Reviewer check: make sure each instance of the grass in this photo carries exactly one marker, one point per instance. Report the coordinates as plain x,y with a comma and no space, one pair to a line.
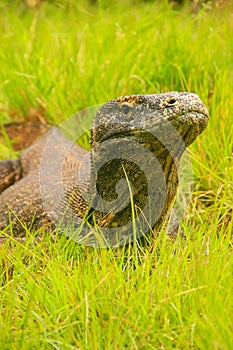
61,57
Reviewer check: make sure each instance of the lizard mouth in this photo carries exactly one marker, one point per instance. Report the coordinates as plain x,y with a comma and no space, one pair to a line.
191,117
191,122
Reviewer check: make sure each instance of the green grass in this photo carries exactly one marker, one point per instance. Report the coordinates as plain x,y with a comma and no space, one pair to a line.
64,56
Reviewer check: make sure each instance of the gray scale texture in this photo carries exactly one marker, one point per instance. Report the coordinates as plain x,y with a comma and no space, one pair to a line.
136,143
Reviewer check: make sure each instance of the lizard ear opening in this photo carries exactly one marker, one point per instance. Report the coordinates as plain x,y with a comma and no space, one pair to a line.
126,108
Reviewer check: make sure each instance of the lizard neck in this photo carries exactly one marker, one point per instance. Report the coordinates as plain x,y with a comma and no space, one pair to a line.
128,174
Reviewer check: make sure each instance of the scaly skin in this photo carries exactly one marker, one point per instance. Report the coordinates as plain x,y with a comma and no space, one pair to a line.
139,139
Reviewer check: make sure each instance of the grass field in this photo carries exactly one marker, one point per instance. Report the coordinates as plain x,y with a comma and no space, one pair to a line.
61,57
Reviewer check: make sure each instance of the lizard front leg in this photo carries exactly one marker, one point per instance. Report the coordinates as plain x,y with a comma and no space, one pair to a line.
10,172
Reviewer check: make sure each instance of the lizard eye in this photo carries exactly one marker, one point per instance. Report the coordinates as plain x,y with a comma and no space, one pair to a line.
171,101
126,108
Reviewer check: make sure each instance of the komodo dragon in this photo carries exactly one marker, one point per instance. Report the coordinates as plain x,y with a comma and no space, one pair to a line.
125,184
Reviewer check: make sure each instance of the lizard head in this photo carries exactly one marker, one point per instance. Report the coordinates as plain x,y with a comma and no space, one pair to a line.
135,115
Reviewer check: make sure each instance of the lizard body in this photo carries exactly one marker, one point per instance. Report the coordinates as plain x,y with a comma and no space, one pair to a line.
136,146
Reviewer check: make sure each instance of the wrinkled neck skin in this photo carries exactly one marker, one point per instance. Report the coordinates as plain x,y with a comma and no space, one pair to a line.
139,171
